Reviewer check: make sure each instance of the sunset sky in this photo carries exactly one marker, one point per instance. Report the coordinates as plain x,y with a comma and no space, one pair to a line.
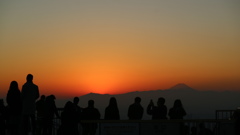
105,46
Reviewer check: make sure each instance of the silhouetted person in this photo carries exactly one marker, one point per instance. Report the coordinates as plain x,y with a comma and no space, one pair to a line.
69,120
30,94
40,107
236,117
2,118
49,110
111,111
90,113
77,108
135,110
159,111
14,108
177,111
78,111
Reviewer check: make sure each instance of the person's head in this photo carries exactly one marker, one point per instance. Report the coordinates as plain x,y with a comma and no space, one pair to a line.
161,101
75,100
91,103
177,103
113,101
68,106
13,85
43,97
53,97
50,99
137,100
29,78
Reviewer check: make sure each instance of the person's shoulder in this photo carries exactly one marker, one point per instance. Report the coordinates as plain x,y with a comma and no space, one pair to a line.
95,109
132,105
34,85
24,84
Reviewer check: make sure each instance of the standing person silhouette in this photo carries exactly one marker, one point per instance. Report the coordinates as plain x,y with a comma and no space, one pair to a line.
177,111
77,108
78,111
14,108
49,110
159,111
40,107
2,118
69,122
90,113
135,110
30,94
111,111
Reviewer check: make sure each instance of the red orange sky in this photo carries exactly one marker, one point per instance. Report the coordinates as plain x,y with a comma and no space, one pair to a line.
73,48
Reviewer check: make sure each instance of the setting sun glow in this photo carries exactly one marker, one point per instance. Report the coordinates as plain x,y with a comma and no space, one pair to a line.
113,47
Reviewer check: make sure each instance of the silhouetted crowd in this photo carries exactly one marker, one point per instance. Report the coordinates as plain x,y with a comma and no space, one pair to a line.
24,113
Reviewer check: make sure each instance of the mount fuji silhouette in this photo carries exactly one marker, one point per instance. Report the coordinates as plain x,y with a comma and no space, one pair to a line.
198,104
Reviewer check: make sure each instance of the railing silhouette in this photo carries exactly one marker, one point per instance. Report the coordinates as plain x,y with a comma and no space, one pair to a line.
217,126
224,114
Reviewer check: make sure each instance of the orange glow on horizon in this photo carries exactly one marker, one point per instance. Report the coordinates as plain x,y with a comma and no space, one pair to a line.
80,47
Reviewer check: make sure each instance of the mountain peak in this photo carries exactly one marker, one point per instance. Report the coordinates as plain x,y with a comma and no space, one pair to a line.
181,86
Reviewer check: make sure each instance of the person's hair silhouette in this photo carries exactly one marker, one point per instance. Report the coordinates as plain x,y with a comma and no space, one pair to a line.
177,111
111,111
14,107
69,122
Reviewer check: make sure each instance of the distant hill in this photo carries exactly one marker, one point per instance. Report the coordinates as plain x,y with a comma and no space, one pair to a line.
198,104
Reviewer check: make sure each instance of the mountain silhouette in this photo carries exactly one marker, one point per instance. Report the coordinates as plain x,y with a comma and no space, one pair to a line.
198,104
181,86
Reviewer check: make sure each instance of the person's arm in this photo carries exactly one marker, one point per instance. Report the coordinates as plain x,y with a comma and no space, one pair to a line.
170,113
183,112
141,115
98,114
129,112
37,95
23,93
105,114
165,111
150,108
118,115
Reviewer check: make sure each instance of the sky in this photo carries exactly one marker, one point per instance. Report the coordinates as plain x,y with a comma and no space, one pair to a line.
111,47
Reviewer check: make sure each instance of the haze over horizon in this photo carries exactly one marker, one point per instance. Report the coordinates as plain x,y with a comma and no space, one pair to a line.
111,47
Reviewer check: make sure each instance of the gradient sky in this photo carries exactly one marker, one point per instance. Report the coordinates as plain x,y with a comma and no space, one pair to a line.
105,46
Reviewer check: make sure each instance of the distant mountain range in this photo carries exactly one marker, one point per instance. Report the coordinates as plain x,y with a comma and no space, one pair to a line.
198,104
